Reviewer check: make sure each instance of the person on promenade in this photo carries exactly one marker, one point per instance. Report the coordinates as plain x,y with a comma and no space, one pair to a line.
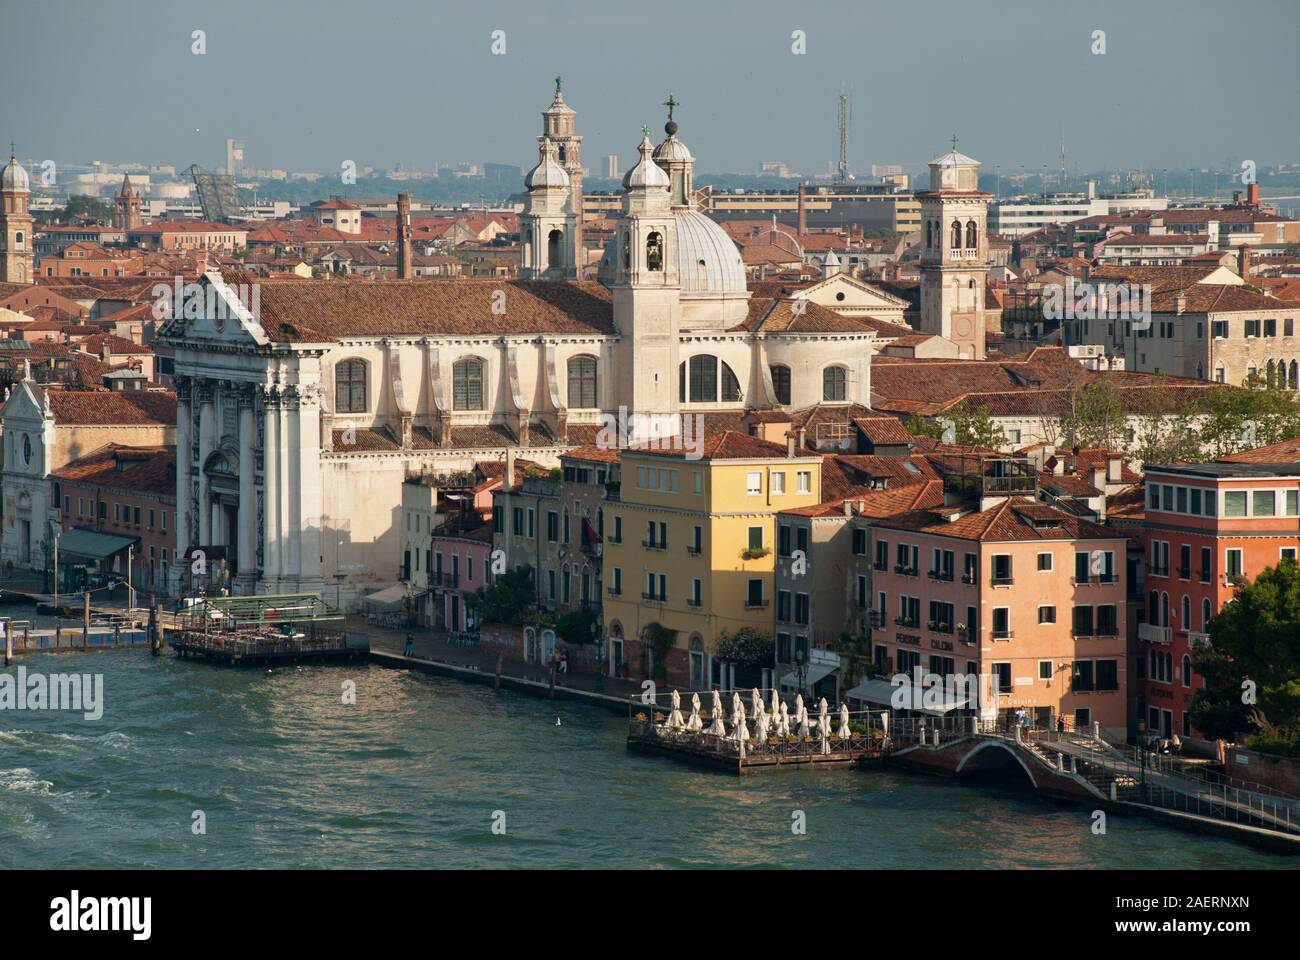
564,662
1176,744
409,649
1060,723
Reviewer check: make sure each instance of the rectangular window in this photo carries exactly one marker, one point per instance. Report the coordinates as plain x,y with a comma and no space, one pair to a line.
1045,562
804,481
1002,568
783,606
801,608
532,522
1107,620
552,526
1002,674
1045,669
696,588
1196,501
1082,625
697,539
1263,503
1234,503
1001,623
1232,562
616,587
1082,678
1080,567
859,542
1292,503
882,555
755,538
778,483
753,483
618,529
754,594
1047,614
1107,674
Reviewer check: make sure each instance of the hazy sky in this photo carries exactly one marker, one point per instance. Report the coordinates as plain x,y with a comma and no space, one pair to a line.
308,84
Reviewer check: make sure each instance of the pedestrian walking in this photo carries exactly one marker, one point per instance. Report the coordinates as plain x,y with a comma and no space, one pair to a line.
409,649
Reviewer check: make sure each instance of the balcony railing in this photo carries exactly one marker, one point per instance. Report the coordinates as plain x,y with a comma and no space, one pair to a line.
1184,573
1152,633
1002,634
1003,581
945,575
653,598
906,571
654,545
969,578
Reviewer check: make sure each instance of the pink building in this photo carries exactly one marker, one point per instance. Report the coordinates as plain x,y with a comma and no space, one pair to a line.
462,563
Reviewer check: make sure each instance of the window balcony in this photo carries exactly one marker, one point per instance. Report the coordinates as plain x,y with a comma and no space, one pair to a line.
653,598
906,571
944,575
1002,634
654,545
1152,633
1003,581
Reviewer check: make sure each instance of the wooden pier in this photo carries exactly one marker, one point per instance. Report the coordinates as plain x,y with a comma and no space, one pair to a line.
262,630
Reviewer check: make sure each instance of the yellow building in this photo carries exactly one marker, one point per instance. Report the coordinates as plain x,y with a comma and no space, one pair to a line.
689,551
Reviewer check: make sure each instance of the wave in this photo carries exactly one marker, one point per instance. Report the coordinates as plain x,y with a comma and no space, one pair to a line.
24,780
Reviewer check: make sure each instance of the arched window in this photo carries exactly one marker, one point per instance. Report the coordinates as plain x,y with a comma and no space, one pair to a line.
781,382
467,384
1186,622
654,251
350,387
627,251
554,248
18,240
972,234
582,382
929,234
956,234
1187,671
730,385
1270,375
834,384
1205,615
1164,609
703,378
1295,375
561,153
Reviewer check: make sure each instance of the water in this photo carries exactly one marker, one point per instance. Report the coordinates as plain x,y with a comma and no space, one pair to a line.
410,776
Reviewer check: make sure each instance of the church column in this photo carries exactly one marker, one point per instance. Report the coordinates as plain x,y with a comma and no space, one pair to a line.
207,441
310,480
184,483
293,481
271,484
247,537
283,490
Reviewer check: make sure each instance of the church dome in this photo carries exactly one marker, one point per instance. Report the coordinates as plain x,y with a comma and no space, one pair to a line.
672,150
646,174
548,173
14,177
708,262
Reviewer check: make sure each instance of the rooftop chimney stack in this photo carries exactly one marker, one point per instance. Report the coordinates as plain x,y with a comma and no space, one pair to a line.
1252,196
1243,261
803,211
404,271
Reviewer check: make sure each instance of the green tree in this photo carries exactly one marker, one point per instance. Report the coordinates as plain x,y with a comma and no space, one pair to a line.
975,428
508,600
1256,636
575,626
1096,417
80,205
919,426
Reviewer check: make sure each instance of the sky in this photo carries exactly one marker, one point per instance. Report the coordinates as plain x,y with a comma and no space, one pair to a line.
309,84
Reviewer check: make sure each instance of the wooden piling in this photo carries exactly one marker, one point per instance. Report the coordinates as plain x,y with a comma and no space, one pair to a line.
155,628
85,618
496,684
9,644
550,694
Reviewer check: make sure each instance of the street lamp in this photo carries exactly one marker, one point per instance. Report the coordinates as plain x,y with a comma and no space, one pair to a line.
801,668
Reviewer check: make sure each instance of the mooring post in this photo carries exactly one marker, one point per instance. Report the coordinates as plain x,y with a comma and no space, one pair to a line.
551,693
85,618
496,683
1112,790
155,627
9,643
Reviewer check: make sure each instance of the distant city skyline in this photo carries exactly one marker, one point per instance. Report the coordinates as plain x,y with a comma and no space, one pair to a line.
1003,78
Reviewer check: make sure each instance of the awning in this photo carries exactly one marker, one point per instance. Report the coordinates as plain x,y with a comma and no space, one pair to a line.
911,698
94,545
816,672
388,598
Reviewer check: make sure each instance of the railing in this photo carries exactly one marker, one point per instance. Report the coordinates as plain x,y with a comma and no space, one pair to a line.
1003,581
943,575
1154,634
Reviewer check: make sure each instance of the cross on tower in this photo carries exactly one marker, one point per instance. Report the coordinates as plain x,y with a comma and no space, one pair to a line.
954,143
557,86
670,103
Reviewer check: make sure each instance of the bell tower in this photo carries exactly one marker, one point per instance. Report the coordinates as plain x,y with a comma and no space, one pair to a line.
558,126
647,290
954,253
17,261
547,225
128,206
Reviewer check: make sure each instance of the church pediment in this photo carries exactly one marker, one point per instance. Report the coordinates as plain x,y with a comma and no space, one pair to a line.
211,309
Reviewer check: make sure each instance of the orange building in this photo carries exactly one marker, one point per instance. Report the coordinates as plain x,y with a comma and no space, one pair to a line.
1208,528
1022,591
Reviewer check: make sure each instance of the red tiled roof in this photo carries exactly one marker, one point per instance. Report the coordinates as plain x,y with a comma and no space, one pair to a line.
1013,519
138,469
105,407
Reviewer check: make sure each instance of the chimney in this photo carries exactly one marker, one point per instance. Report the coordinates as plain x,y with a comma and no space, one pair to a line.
789,445
802,434
1243,260
1252,196
1115,470
848,508
1180,302
1236,198
404,271
803,211
1099,478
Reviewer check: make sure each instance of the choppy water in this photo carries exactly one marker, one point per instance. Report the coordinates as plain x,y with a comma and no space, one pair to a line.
289,776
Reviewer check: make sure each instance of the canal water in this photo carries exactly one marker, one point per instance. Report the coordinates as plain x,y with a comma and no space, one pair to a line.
416,772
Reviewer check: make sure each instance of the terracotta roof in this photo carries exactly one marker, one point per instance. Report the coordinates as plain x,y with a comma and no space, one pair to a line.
138,469
314,311
729,445
883,430
105,408
1284,452
879,503
591,452
1014,518
782,316
95,343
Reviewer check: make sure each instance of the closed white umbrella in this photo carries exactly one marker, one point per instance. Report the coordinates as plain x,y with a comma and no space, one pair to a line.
693,722
675,721
800,716
717,727
783,724
739,729
845,732
756,703
776,704
761,725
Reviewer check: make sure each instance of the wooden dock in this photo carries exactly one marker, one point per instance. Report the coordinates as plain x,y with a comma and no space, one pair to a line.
725,753
264,629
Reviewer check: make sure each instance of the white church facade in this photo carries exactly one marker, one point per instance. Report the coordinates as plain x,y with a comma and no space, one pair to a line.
299,419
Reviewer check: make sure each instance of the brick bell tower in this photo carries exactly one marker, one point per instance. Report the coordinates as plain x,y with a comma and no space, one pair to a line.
558,127
954,253
127,202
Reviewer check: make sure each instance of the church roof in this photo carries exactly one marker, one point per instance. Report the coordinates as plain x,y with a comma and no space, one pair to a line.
645,173
14,177
311,311
954,159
